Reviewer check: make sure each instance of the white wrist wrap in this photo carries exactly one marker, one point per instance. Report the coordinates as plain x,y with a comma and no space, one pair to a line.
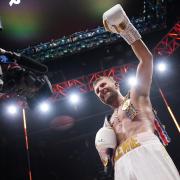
131,34
116,16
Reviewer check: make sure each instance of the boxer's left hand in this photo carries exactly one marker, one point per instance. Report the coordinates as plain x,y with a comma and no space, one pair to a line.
119,29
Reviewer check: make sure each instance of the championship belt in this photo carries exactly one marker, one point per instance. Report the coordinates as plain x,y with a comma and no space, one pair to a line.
128,107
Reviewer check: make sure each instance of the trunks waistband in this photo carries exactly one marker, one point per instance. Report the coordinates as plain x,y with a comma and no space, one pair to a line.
134,142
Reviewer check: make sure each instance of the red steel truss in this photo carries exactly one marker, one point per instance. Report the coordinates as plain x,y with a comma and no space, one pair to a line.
170,42
85,83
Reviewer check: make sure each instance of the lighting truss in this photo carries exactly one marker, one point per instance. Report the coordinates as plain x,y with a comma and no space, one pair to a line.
152,17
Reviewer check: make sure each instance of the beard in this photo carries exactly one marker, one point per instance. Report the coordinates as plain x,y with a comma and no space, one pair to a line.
110,98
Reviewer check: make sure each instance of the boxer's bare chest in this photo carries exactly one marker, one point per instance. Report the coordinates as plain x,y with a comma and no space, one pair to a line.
129,122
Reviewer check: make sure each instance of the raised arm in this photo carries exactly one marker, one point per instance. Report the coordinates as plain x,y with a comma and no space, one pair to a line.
115,20
144,69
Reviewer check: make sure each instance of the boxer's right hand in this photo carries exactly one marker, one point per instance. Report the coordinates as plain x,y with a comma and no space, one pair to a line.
105,138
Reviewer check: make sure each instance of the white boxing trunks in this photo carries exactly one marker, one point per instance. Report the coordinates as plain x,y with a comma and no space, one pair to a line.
143,157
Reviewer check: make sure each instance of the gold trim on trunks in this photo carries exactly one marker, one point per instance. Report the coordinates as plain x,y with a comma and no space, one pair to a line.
125,147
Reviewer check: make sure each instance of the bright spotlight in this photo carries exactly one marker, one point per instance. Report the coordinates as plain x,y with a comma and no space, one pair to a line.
132,81
74,98
12,109
161,67
44,107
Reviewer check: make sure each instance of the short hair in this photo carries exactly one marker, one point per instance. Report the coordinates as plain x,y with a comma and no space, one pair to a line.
103,77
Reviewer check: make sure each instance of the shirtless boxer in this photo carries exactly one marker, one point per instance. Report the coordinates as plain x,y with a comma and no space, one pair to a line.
138,153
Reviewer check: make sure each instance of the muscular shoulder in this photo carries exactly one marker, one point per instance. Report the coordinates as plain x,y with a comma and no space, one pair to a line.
138,99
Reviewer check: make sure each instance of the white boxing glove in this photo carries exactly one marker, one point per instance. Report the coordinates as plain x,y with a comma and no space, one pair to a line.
105,139
115,20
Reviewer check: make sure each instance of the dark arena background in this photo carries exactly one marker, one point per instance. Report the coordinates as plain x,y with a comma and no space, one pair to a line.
68,37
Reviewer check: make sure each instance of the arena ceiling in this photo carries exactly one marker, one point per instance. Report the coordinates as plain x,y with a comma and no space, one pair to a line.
32,22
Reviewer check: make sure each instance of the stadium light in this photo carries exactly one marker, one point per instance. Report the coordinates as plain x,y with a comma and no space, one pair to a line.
44,107
161,67
132,81
74,98
12,109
